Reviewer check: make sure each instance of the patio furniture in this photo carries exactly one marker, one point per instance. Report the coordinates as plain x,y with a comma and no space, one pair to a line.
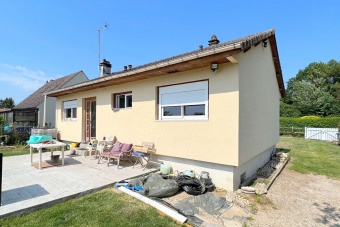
143,152
40,146
120,151
87,148
104,144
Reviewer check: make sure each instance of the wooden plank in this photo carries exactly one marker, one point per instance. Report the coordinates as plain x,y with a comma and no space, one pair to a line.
202,62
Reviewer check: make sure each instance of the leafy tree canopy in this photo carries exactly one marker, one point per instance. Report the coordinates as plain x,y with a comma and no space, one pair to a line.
314,91
7,103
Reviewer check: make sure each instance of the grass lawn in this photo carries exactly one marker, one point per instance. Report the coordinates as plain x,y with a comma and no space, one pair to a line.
104,208
20,150
312,156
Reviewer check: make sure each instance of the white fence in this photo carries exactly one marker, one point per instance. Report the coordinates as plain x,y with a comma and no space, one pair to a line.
327,134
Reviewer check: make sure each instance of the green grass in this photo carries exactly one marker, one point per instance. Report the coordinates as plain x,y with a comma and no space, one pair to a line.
104,208
20,150
312,156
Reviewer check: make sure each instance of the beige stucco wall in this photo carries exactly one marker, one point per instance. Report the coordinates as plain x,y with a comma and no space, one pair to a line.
259,103
214,140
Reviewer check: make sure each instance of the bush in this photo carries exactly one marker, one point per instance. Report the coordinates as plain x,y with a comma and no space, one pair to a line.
287,110
310,121
310,117
17,138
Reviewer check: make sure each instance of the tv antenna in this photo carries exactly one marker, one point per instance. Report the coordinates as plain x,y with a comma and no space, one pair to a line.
98,30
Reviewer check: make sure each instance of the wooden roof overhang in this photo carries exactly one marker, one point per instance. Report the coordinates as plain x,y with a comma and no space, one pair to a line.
131,76
189,61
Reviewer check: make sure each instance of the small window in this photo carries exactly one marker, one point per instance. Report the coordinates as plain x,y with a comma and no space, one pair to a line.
122,100
70,110
187,101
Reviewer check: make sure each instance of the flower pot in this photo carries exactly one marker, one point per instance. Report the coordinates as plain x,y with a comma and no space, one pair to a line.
55,158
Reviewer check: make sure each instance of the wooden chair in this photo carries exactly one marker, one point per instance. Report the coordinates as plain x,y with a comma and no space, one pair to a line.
119,152
143,152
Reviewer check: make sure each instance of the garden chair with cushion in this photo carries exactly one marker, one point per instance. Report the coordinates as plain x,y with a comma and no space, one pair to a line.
143,153
119,152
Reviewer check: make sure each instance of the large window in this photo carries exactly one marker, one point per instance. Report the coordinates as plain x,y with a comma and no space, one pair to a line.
184,101
122,100
70,110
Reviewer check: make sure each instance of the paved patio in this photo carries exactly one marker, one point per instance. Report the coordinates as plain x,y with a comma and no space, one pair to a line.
26,188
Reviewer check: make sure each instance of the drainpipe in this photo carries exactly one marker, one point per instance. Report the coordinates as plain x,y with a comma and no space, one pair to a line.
44,118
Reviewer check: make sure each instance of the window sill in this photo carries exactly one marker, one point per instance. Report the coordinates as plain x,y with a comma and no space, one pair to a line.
181,120
68,120
118,109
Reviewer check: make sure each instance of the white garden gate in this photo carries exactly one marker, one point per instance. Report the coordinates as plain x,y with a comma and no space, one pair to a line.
326,134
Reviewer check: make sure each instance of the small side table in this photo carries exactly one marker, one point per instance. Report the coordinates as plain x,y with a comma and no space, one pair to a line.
140,156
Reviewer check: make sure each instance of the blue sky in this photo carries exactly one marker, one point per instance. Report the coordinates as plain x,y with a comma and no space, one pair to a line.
42,40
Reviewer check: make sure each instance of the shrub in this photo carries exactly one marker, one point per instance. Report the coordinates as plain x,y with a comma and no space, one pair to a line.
309,117
17,138
310,121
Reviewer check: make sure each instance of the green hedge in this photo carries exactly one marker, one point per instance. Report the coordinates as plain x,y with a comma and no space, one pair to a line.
310,121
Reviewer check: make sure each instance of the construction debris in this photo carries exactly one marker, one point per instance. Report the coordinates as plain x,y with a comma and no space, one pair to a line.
248,190
237,199
260,189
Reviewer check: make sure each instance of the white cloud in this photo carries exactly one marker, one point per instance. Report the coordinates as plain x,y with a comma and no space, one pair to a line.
22,77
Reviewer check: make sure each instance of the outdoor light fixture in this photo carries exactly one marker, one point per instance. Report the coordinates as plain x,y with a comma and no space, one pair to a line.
213,66
265,43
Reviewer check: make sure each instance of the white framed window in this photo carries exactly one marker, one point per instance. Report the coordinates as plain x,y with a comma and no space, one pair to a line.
187,101
70,110
122,100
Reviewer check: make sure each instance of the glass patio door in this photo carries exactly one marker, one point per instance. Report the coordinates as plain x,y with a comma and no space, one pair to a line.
90,118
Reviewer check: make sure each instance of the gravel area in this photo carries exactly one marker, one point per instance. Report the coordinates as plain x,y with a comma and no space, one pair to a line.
301,200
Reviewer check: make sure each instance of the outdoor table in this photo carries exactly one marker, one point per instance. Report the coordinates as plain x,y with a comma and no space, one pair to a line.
139,158
40,146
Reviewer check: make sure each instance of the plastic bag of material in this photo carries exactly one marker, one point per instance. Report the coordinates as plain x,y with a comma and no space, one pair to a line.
190,185
205,178
155,186
161,189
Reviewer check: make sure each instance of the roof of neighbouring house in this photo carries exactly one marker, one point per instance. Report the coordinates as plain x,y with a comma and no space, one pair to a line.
191,60
38,96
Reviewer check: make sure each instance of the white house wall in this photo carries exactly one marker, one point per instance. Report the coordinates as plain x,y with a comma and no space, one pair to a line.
259,103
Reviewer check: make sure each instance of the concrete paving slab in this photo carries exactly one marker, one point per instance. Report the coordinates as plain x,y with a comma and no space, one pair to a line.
26,188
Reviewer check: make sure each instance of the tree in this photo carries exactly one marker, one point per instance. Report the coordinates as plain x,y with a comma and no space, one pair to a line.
315,90
7,103
287,110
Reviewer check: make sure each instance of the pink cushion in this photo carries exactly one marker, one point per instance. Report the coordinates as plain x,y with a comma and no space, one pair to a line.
117,147
126,147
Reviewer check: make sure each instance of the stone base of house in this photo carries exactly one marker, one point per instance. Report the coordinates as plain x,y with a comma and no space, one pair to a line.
223,176
247,169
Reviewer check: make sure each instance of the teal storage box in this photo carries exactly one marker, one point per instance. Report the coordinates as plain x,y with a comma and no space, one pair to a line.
38,139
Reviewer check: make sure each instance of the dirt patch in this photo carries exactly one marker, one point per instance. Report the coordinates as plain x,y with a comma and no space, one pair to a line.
283,144
301,200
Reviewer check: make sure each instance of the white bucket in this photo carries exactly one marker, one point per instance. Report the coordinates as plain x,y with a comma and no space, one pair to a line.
165,169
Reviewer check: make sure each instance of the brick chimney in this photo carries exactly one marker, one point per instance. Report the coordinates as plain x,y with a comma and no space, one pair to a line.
213,40
105,67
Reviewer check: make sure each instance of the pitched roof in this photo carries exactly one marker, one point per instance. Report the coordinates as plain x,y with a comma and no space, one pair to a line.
191,60
38,96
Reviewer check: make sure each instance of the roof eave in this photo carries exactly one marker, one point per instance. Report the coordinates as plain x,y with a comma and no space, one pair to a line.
100,82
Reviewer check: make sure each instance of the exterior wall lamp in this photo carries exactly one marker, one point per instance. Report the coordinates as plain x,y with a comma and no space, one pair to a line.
265,43
213,66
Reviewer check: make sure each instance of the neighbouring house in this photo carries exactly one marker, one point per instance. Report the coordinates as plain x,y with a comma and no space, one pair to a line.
31,110
214,109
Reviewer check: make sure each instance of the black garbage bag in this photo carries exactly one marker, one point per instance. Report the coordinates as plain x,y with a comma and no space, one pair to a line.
191,185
